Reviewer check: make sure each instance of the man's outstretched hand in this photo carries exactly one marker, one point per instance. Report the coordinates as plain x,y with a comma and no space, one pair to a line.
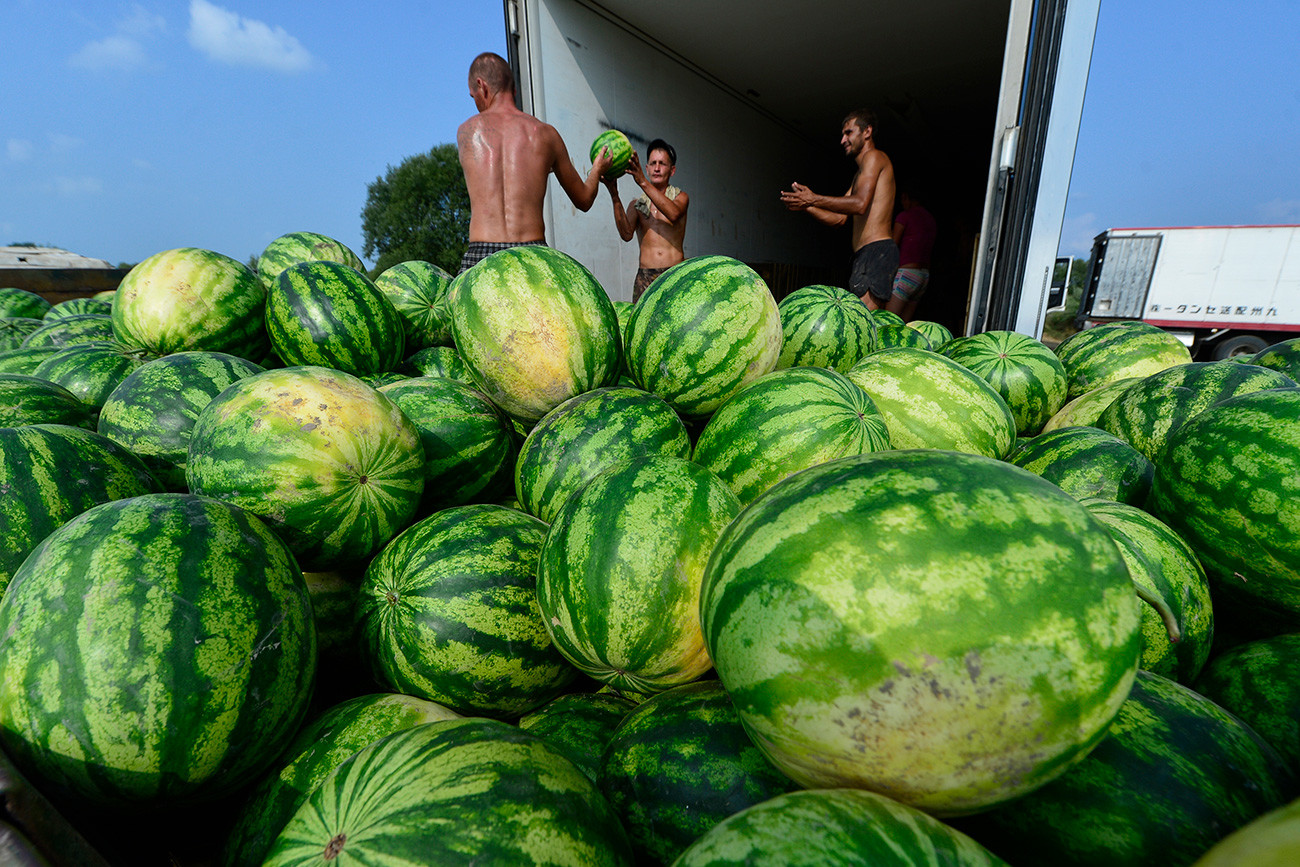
797,198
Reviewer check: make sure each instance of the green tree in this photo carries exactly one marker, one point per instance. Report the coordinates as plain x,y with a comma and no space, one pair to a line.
418,210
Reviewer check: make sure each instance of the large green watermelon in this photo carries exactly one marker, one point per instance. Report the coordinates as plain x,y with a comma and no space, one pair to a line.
619,579
190,299
579,726
1087,462
20,302
418,291
945,629
1024,371
78,307
330,463
824,326
1259,681
91,370
1117,350
294,247
31,400
1283,356
87,328
785,422
154,649
26,359
1088,407
456,792
706,328
534,328
448,612
620,151
14,330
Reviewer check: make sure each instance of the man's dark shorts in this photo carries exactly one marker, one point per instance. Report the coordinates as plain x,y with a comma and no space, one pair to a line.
477,251
644,277
873,269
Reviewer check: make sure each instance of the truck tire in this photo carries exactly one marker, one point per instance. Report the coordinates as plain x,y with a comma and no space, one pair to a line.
1238,344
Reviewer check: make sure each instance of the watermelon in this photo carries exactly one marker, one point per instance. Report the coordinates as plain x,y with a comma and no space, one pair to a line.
190,299
418,291
1229,484
834,828
704,329
318,748
295,247
936,333
1161,563
20,302
1272,840
70,330
1088,462
786,422
152,411
587,434
1174,774
1283,356
889,335
442,361
1258,682
619,579
49,474
327,314
455,792
929,401
26,359
679,764
91,370
837,609
193,660
334,595
1117,350
535,329
1024,371
448,612
1088,407
469,443
78,307
14,330
886,317
620,151
1147,412
330,463
31,400
579,725
824,326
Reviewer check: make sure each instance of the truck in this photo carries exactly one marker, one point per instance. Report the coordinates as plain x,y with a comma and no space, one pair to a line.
1223,290
979,103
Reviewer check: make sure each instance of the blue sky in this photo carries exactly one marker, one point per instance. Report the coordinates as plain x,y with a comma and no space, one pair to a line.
135,127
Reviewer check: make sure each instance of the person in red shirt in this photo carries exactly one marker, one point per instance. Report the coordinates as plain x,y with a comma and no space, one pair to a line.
914,231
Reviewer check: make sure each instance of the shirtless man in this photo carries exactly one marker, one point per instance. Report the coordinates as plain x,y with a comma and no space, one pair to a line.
507,155
870,203
657,218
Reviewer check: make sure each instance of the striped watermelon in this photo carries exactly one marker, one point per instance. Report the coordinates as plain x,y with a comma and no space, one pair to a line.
579,726
705,329
1283,356
31,400
929,401
193,658
620,151
935,332
1161,563
295,247
824,326
50,473
618,583
1174,774
469,443
70,330
1088,407
334,595
890,335
1145,414
14,330
1228,483
91,370
26,359
442,361
319,748
455,792
152,411
590,433
191,299
418,291
1259,682
535,329
20,302
78,307
679,764
1269,841
886,317
834,828
1088,462
838,611
786,422
330,463
448,612
1117,350
327,314
1024,371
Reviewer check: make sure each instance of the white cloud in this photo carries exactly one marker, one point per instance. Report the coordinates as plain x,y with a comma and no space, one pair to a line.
226,37
61,143
75,187
19,149
112,52
1077,233
1280,211
141,22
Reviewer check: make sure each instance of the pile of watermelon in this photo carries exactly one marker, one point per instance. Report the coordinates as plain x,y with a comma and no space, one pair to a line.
301,566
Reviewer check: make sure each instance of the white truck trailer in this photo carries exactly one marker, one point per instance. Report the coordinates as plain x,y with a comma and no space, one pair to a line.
1224,290
979,104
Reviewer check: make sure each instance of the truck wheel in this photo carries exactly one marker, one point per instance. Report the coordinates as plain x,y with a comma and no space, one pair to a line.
1238,344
